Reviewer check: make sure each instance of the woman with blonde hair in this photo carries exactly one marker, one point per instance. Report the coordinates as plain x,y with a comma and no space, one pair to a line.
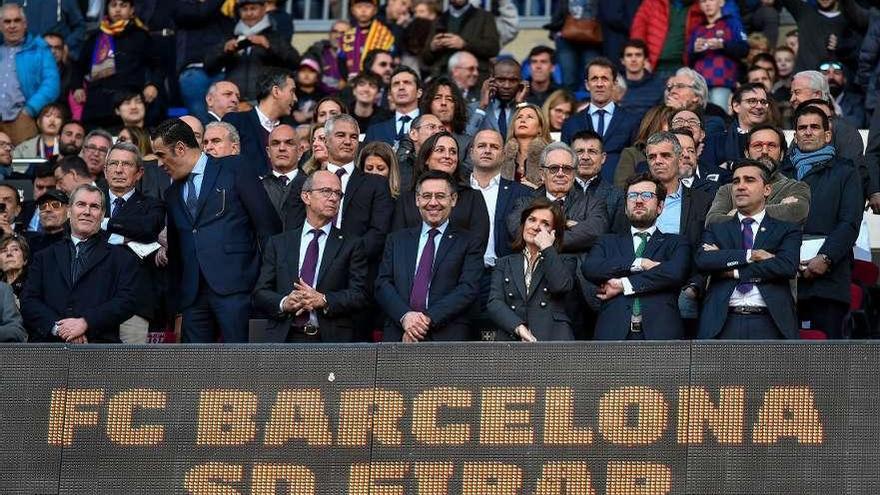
318,139
558,108
655,120
528,136
378,158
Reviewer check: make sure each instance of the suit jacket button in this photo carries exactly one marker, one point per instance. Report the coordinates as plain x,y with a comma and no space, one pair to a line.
512,307
545,289
510,294
543,304
195,230
506,280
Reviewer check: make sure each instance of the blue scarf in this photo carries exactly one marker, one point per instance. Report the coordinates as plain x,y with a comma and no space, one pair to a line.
804,162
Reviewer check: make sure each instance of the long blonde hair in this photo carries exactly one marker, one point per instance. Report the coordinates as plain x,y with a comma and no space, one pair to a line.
544,128
312,164
555,98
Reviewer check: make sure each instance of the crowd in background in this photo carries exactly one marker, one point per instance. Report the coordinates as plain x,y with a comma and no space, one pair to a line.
407,179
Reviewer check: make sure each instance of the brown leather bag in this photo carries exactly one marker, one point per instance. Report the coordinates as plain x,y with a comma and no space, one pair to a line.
582,31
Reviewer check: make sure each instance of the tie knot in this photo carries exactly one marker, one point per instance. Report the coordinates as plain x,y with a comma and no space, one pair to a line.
600,111
748,221
118,202
432,234
283,179
316,233
404,118
643,236
340,172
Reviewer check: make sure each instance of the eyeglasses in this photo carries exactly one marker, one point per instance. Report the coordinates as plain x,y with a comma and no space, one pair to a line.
756,101
328,193
427,197
555,169
430,127
99,149
54,205
670,87
759,145
6,145
120,163
644,196
830,65
686,123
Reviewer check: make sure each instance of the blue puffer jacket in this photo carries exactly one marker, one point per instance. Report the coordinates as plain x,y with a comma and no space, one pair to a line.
37,74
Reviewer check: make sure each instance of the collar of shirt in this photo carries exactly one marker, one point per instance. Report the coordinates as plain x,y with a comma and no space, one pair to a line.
678,191
586,183
493,182
650,230
125,196
554,199
290,175
609,109
441,228
349,168
412,116
308,227
688,181
201,163
219,118
265,121
458,12
758,217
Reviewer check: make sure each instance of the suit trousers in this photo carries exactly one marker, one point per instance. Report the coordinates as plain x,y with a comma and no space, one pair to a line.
823,314
750,327
213,315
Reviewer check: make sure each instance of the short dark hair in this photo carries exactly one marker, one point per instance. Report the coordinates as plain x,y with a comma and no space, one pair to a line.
44,170
173,131
371,57
744,87
366,77
816,102
269,78
635,43
811,110
765,57
73,121
334,99
540,203
768,127
15,192
747,162
436,175
541,49
74,164
508,61
121,97
646,177
588,135
601,62
409,70
695,111
55,34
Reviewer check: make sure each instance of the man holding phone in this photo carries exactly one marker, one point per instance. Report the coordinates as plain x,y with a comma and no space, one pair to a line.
462,27
498,99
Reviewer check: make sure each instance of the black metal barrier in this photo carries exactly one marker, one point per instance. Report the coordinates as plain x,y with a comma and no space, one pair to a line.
472,418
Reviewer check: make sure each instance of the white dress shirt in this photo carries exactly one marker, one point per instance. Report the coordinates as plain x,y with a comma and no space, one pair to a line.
752,297
265,121
349,169
304,241
406,125
593,110
490,195
115,238
290,175
637,263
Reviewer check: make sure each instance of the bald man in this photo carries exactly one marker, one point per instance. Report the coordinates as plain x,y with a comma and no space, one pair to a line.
196,125
284,183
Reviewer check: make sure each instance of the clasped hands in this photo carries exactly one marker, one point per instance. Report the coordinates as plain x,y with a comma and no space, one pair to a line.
415,326
72,330
303,298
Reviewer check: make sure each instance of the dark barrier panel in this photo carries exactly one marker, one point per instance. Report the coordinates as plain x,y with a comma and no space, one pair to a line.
471,419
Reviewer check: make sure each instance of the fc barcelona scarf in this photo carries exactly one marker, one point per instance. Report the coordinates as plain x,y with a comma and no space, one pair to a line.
104,56
358,42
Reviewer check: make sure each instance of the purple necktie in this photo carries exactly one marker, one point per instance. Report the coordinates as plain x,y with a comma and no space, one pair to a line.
339,173
307,271
748,238
418,298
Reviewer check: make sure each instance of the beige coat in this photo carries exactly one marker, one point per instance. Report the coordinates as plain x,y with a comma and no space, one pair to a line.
533,161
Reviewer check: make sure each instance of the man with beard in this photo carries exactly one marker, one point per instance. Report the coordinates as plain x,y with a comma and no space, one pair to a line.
823,289
443,99
640,273
789,199
851,103
751,107
751,259
70,140
687,165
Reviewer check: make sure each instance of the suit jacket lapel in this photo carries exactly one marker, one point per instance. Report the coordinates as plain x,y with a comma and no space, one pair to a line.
212,169
519,275
764,230
450,237
537,276
62,254
354,182
99,251
331,247
504,192
410,252
293,255
686,199
612,124
654,243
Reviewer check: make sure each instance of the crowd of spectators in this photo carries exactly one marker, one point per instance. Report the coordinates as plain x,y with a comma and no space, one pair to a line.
406,179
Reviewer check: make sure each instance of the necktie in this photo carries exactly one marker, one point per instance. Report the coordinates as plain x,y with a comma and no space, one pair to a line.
76,266
640,250
502,121
418,297
600,129
339,173
192,199
284,180
117,204
403,121
561,204
308,269
748,239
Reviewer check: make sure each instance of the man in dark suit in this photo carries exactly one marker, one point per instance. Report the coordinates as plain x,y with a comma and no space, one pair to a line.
276,97
81,290
313,278
751,259
585,217
499,96
221,139
429,279
614,124
52,207
640,273
834,218
285,182
587,145
222,98
405,91
218,212
132,217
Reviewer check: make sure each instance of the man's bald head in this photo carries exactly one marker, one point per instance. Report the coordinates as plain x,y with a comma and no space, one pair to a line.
196,125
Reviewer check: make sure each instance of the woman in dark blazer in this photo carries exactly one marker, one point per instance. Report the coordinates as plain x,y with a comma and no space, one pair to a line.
440,152
529,287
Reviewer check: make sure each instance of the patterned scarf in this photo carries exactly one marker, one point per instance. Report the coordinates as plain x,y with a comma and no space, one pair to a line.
804,162
104,56
358,42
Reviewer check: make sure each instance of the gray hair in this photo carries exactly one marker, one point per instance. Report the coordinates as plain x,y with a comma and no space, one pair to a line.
816,81
664,137
330,125
88,188
7,6
233,132
310,180
456,59
98,132
550,148
131,148
700,87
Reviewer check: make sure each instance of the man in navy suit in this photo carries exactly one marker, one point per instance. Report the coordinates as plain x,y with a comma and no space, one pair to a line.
222,98
81,289
751,259
313,278
218,213
276,97
404,92
640,273
614,124
429,279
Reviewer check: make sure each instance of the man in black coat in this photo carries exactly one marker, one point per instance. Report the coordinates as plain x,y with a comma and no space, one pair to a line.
313,278
285,182
80,291
833,221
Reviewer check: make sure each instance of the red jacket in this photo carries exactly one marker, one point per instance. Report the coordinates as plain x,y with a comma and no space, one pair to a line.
651,24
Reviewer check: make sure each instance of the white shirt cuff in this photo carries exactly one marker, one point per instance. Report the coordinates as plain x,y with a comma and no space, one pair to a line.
627,287
116,239
636,266
736,273
749,256
281,304
104,223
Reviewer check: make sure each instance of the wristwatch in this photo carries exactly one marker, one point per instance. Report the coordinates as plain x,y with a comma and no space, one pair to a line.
826,259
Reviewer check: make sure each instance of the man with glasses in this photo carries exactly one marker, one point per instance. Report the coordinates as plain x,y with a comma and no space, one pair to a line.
313,279
585,217
789,199
751,108
28,75
464,71
851,103
6,147
429,279
52,210
639,272
132,217
96,145
687,89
